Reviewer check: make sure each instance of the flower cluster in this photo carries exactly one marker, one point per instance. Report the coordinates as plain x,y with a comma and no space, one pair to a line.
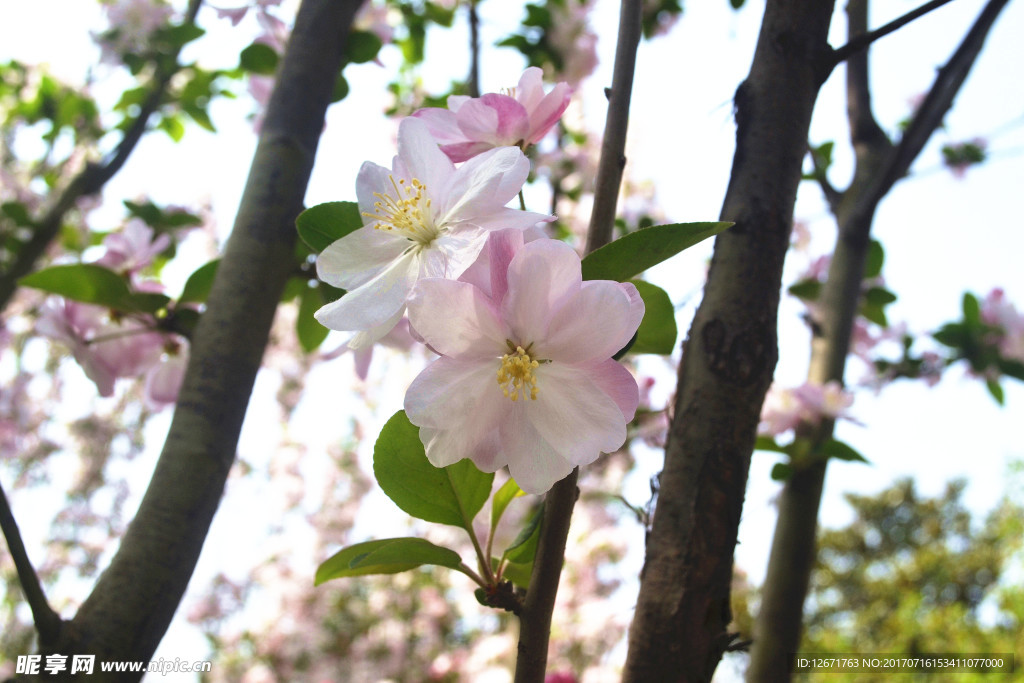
132,22
807,404
1008,322
526,377
111,345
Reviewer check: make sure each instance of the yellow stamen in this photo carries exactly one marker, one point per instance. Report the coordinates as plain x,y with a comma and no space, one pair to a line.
515,376
407,212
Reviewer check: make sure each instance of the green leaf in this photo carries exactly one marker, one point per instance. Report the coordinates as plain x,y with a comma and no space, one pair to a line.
996,389
875,314
879,296
197,287
657,332
782,471
321,225
834,448
385,556
524,548
518,573
173,126
449,495
181,34
808,290
972,310
767,443
875,260
310,332
200,116
340,91
954,335
85,282
506,494
18,213
634,253
259,58
363,47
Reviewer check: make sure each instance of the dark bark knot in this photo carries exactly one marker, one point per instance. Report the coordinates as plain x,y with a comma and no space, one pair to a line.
738,359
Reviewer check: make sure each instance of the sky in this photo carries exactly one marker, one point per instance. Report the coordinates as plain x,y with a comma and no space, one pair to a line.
942,235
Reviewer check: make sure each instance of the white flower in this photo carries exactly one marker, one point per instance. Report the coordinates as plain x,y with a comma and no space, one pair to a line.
424,218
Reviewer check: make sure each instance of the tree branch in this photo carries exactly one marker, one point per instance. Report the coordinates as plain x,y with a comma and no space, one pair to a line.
779,622
535,617
129,609
90,180
48,623
613,160
679,629
862,40
473,85
939,100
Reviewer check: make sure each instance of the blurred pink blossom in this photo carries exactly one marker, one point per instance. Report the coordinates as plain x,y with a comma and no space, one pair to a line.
163,380
570,34
132,22
132,249
809,403
999,312
105,348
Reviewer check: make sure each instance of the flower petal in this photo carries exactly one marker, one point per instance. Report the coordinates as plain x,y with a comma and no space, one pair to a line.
359,256
459,402
498,119
484,184
532,462
546,113
456,319
374,302
615,381
371,178
574,416
365,339
422,157
442,124
540,276
590,324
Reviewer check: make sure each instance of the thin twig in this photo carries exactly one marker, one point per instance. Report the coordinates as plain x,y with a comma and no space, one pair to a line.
473,86
48,623
865,39
535,617
613,160
939,99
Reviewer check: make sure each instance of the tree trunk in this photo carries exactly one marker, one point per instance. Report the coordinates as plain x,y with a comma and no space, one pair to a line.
679,631
131,606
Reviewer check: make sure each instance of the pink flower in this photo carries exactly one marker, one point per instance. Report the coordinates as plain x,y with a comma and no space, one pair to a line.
424,218
809,403
132,249
163,380
132,22
106,349
998,311
473,125
525,377
571,36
